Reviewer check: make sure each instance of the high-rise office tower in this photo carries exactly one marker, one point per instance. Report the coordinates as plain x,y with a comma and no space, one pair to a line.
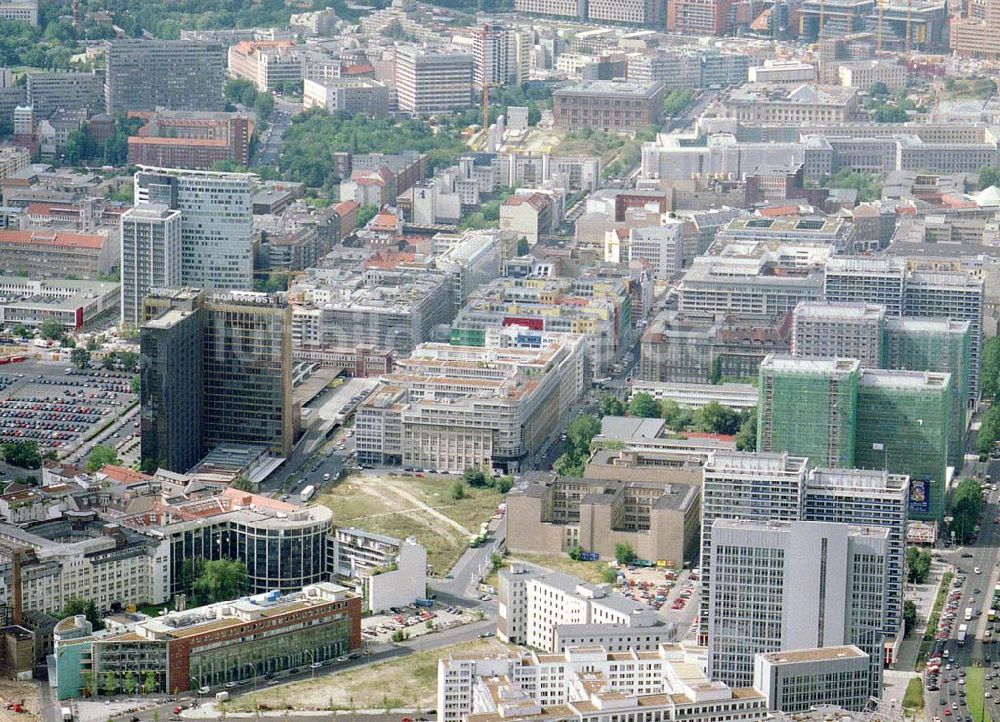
744,485
951,289
902,426
956,294
934,344
868,498
233,353
807,408
150,255
779,585
499,55
974,31
216,223
177,74
850,279
433,79
845,330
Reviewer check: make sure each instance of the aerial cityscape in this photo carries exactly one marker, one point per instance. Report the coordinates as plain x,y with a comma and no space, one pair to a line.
499,360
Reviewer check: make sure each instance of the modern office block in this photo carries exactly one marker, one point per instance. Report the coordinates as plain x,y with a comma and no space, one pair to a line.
870,498
150,255
807,408
778,586
903,427
743,485
216,223
433,79
845,330
225,363
802,679
145,74
935,344
48,92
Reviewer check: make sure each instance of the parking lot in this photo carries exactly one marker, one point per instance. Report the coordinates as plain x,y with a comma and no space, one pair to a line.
55,406
413,621
666,590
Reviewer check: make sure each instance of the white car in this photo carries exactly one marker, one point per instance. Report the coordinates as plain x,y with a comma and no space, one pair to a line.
977,570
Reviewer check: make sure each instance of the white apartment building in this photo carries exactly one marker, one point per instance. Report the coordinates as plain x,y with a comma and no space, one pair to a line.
787,585
863,74
13,159
782,71
799,680
845,330
584,684
346,95
216,223
661,246
535,604
433,79
388,572
560,8
501,55
450,408
150,255
108,564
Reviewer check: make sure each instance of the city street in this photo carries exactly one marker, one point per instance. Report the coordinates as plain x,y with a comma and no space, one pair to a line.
976,593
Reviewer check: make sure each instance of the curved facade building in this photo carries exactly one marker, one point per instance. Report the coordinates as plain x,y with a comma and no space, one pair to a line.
282,550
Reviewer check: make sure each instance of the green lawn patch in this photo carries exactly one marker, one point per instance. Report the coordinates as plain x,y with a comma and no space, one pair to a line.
974,687
913,699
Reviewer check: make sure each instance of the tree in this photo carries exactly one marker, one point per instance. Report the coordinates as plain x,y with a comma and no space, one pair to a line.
93,343
675,417
579,433
746,437
110,685
101,456
523,247
23,331
457,491
909,615
475,478
220,580
149,682
966,508
989,369
575,552
109,361
129,682
989,176
879,90
989,431
364,214
86,607
496,561
51,330
624,553
568,465
129,359
608,575
23,454
715,418
918,564
89,683
135,385
891,114
80,357
644,406
242,483
504,484
611,405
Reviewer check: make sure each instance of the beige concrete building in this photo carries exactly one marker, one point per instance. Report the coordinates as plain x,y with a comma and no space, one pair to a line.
625,465
550,516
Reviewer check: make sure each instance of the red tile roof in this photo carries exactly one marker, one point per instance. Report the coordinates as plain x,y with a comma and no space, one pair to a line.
50,238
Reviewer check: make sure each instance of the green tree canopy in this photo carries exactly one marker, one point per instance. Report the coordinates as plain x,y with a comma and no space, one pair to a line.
644,406
624,553
611,405
746,437
220,580
101,456
966,509
715,418
51,330
86,607
80,357
989,176
918,564
23,454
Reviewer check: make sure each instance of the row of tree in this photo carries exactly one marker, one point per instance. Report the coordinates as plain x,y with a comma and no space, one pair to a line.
713,418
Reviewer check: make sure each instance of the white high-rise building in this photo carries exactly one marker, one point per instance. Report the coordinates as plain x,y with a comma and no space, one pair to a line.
742,485
216,223
433,79
150,255
780,585
871,498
